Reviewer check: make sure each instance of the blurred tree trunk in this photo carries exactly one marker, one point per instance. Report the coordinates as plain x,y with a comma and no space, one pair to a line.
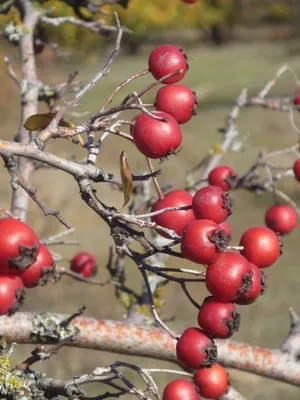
216,30
223,31
294,47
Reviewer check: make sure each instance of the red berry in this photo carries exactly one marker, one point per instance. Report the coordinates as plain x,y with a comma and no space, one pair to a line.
224,225
31,275
202,241
175,220
84,264
212,382
222,176
194,349
11,293
257,288
262,246
18,245
296,168
211,202
38,46
178,101
296,99
156,139
281,218
190,1
229,276
180,389
218,319
167,59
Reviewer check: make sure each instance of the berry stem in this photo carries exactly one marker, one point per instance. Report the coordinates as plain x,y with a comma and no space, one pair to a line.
273,191
163,210
124,83
168,371
235,248
152,85
155,182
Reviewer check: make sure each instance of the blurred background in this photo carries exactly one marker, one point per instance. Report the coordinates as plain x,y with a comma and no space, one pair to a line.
231,44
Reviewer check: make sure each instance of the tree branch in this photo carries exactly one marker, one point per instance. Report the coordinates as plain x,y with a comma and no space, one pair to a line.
29,101
118,337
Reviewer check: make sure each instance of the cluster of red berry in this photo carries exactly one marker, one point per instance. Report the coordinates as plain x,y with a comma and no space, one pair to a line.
231,277
23,260
161,136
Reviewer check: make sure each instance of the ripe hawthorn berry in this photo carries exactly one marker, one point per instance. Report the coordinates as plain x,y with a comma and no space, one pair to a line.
218,319
164,60
38,46
229,276
175,220
296,169
262,246
296,99
31,275
203,241
180,389
84,263
211,202
154,138
222,176
213,382
257,288
11,293
18,245
190,1
177,100
281,218
226,227
195,349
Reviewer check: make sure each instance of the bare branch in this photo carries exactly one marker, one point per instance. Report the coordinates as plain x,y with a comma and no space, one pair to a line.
11,72
40,353
17,180
93,334
52,128
291,345
97,27
29,100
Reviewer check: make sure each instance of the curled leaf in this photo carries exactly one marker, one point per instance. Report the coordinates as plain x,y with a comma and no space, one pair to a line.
39,122
126,176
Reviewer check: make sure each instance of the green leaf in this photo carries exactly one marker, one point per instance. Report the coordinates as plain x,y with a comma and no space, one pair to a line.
126,176
39,122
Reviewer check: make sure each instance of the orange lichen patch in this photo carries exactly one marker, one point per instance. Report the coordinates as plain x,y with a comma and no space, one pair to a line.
80,323
139,333
260,354
121,331
243,350
3,144
162,339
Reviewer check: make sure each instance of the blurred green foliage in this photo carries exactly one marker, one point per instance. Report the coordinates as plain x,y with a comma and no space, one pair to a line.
278,12
143,16
67,35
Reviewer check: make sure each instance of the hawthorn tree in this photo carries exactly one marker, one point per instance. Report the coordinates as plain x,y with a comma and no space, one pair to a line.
171,222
